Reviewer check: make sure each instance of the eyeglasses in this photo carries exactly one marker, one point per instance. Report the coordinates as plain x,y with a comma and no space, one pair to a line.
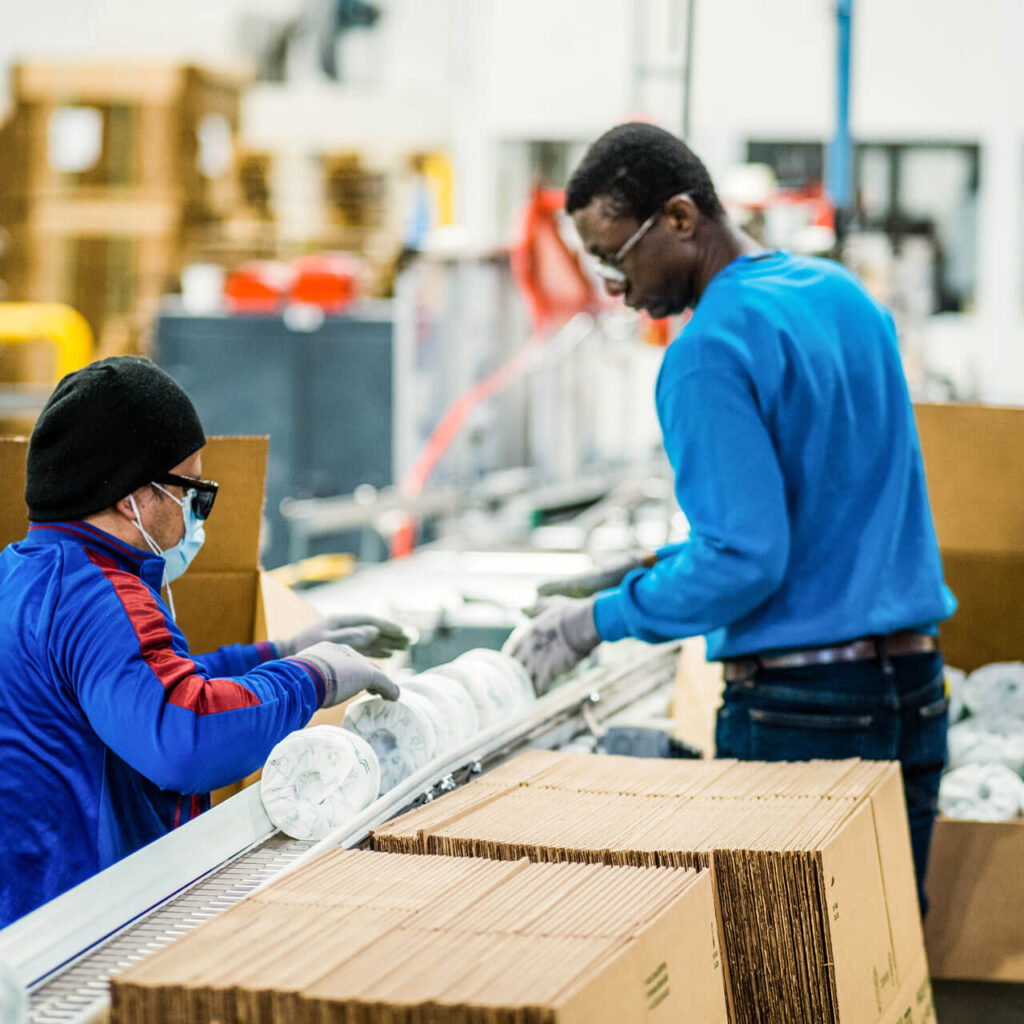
203,492
610,269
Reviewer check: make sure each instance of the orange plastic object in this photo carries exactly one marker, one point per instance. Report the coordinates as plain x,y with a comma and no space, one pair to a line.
259,286
329,280
546,269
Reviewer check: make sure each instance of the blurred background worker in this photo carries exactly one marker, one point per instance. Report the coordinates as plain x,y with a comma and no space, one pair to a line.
812,565
111,732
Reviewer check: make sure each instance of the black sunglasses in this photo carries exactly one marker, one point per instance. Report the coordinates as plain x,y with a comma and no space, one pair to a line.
204,492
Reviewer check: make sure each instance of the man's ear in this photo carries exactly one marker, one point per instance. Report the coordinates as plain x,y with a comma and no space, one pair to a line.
124,506
682,214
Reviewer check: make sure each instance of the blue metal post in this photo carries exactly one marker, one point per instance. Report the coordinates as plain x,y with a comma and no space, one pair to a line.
840,162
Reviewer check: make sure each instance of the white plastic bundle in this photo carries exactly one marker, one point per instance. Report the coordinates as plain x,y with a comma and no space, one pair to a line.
955,680
405,734
981,792
512,670
502,680
491,696
458,711
987,740
317,779
13,997
996,690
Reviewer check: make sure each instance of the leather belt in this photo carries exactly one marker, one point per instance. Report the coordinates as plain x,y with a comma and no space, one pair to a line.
864,649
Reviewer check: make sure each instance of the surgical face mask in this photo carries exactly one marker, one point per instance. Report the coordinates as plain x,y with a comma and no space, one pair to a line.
179,557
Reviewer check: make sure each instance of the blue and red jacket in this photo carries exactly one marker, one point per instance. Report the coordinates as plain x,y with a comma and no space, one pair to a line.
111,732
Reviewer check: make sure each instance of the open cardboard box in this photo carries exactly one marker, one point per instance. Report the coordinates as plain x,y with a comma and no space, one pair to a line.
974,460
225,597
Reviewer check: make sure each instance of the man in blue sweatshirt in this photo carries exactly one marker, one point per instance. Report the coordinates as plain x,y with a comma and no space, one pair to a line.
811,565
111,732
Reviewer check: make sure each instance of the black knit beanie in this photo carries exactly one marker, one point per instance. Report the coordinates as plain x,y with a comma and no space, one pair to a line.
107,430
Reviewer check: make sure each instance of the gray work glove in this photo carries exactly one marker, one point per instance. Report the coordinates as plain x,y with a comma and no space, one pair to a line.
369,635
561,635
345,673
588,583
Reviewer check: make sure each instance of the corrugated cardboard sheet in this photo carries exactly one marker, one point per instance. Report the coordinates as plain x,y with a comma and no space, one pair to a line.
812,867
373,937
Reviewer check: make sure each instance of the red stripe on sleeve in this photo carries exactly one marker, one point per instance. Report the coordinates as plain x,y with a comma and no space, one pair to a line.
265,649
185,688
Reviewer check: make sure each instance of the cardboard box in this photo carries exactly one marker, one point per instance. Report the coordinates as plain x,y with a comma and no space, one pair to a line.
813,873
225,597
974,460
375,937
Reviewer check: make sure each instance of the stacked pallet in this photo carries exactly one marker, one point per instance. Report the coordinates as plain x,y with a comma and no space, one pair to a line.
107,172
813,872
369,937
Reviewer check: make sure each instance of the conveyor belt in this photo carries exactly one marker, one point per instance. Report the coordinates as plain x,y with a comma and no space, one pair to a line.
68,950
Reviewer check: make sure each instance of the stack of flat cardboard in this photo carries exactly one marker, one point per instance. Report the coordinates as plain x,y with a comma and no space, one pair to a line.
372,937
812,865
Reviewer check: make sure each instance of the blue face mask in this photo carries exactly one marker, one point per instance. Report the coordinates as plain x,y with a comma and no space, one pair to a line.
179,557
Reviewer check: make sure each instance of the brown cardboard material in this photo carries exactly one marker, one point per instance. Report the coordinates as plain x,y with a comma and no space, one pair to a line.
974,461
811,862
225,597
375,937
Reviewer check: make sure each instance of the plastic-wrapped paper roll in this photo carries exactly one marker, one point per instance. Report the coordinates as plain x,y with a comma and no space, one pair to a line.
455,705
488,709
13,997
500,687
317,779
981,792
955,679
996,690
987,741
512,669
405,734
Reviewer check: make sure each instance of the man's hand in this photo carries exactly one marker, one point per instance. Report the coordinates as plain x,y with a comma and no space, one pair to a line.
367,634
589,583
561,635
346,673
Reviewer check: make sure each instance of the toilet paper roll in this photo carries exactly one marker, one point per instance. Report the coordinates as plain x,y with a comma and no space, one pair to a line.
456,707
405,734
315,780
981,792
996,690
512,670
488,710
987,740
13,997
499,687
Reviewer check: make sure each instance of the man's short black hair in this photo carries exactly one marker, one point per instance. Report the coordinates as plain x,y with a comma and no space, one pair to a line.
637,167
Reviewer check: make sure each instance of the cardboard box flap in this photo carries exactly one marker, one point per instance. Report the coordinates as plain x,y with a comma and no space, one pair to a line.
238,464
974,462
13,513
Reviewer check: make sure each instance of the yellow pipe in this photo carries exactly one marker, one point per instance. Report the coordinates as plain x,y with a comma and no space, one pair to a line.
49,321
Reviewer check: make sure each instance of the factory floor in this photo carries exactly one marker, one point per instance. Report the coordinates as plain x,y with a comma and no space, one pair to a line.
978,1002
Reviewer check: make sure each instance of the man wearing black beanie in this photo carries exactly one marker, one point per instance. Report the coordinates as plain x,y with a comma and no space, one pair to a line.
111,731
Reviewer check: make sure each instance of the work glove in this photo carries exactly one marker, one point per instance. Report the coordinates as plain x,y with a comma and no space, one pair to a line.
560,636
589,583
374,637
345,673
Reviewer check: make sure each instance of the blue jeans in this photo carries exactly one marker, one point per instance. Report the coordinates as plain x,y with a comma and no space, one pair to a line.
856,709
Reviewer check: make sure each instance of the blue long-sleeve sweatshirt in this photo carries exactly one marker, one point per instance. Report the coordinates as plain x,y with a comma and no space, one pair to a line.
111,732
788,424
